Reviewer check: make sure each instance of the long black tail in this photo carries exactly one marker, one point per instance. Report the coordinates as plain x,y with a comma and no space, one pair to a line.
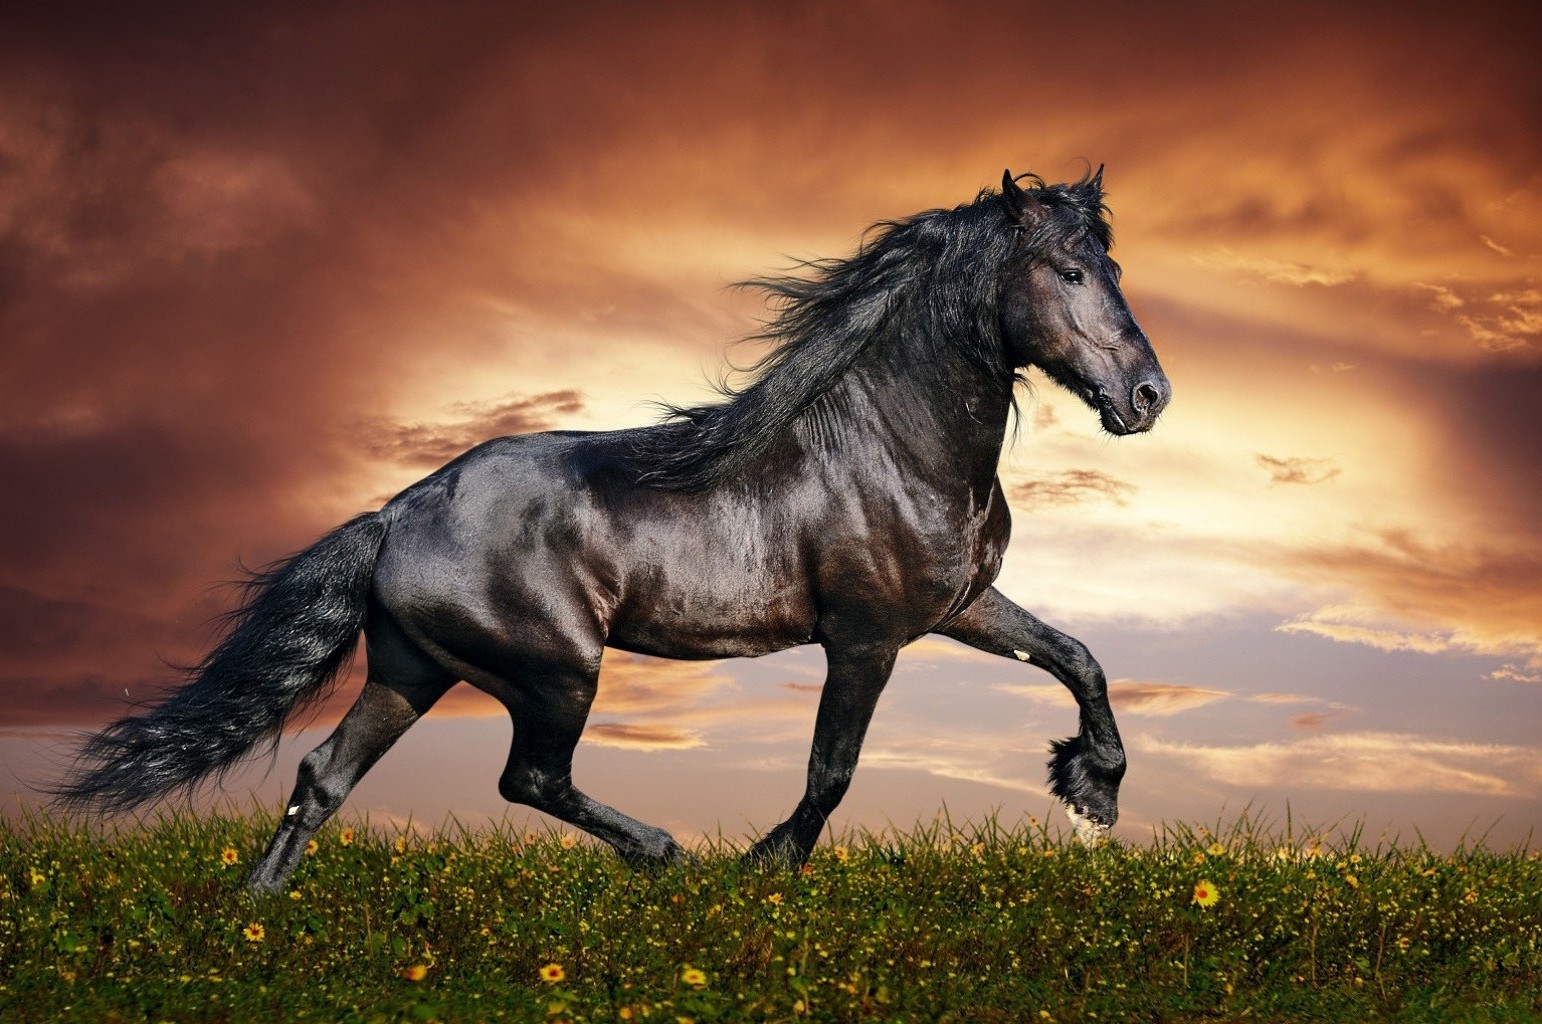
296,629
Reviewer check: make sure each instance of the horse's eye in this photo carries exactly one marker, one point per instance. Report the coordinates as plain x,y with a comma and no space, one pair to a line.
1071,276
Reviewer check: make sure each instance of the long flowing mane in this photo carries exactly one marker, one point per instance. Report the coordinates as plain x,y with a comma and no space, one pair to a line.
934,275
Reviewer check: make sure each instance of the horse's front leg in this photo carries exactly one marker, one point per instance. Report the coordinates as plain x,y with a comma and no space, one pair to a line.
1085,770
853,682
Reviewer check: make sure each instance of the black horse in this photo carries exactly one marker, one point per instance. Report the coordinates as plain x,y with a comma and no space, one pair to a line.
846,496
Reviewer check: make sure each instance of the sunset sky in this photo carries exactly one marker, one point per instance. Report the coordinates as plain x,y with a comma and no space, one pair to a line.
262,268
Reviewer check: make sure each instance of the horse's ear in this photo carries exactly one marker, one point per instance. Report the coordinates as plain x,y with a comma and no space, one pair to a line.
1095,183
1017,203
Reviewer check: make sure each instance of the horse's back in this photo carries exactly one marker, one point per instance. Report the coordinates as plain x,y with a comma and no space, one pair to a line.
528,532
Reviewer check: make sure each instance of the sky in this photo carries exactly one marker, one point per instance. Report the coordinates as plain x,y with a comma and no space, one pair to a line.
261,268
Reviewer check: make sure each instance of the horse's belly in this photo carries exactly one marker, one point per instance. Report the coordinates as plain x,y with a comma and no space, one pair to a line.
720,612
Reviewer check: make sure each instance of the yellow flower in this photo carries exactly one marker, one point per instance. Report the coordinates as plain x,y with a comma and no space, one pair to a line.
401,844
775,897
254,932
1403,942
230,856
1352,881
568,840
626,1013
694,976
38,877
345,837
1216,850
1206,894
1196,860
311,847
417,972
841,853
553,973
294,894
1470,896
1354,858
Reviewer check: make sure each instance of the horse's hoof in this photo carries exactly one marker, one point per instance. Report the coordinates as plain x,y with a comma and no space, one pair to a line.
1088,831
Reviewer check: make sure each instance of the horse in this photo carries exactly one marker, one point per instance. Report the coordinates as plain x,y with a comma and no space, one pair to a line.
844,494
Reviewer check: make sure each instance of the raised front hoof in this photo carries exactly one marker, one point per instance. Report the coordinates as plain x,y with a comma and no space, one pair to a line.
1087,781
1089,831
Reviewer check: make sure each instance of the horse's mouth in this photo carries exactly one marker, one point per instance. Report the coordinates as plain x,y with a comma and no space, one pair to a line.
1098,400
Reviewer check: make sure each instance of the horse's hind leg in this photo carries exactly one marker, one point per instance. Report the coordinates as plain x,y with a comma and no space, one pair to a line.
1086,769
399,691
549,715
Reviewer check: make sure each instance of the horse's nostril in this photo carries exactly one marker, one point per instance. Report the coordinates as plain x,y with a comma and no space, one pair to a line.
1145,396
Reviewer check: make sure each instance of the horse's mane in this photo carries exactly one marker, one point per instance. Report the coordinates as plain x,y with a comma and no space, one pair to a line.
935,274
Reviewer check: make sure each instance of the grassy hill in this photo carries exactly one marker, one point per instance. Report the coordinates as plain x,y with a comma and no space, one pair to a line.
150,922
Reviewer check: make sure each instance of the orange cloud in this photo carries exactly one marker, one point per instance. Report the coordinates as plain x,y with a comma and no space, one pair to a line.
641,737
1369,761
1160,699
430,445
1070,487
1298,470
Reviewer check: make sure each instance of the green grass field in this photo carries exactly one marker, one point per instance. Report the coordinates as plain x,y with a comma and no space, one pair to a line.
982,923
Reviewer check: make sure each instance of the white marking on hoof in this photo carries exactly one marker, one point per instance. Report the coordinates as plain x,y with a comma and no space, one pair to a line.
1088,831
1023,657
292,811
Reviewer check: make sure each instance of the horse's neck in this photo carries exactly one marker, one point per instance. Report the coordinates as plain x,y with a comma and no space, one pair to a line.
934,412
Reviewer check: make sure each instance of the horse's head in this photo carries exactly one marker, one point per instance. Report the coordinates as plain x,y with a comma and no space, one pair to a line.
1062,310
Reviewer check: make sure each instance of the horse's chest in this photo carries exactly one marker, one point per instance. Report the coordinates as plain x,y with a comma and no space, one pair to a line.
921,567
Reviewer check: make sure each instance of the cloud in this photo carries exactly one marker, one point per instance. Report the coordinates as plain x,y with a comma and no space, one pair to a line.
1500,249
641,737
1151,699
429,445
1160,699
1380,762
1442,297
1329,623
1470,629
955,759
1277,270
1503,320
1071,487
1513,673
1298,470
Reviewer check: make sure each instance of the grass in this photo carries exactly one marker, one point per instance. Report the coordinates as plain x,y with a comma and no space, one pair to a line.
981,923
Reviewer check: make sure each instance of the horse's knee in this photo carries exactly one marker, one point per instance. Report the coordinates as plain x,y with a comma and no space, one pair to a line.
1078,663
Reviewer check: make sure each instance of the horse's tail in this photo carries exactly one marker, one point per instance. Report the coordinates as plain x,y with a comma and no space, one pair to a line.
295,630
